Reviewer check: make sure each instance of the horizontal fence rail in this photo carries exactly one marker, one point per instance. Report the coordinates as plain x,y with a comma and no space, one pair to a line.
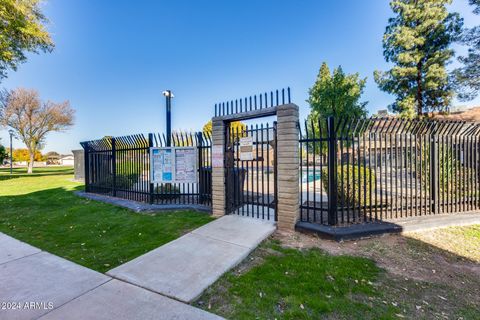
256,102
120,167
381,169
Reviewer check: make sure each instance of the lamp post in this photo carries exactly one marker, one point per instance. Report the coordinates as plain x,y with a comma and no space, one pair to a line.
11,151
168,100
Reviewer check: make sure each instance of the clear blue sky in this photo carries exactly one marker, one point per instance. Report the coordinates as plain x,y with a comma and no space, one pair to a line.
114,58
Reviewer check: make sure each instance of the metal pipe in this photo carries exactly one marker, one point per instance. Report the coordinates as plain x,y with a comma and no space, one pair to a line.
11,150
168,101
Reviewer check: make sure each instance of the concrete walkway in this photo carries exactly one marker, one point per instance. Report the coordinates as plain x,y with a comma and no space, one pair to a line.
184,268
38,285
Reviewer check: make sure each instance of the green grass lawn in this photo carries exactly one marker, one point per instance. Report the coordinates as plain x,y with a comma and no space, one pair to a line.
285,283
281,280
42,210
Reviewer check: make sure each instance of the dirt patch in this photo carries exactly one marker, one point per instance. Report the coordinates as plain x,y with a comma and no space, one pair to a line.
462,241
431,281
403,255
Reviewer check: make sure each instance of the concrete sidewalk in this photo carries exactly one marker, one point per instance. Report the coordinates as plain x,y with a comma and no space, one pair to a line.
185,267
38,285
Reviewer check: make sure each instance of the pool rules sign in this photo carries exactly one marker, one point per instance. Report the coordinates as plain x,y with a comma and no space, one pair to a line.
173,165
246,148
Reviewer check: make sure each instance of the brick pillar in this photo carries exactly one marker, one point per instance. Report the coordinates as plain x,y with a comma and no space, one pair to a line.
218,169
287,166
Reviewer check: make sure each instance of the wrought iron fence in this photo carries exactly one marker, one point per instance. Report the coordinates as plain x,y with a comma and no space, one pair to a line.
120,167
365,170
252,103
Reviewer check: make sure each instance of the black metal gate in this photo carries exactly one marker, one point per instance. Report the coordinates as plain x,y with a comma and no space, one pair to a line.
251,170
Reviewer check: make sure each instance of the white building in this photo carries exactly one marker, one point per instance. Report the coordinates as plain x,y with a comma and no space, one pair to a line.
67,160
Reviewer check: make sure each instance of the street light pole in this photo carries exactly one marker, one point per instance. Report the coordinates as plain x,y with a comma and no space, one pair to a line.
11,151
168,101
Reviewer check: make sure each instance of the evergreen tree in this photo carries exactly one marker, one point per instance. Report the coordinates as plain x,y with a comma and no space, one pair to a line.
417,41
468,76
336,94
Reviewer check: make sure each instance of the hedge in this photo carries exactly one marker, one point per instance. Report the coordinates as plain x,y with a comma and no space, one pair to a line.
348,193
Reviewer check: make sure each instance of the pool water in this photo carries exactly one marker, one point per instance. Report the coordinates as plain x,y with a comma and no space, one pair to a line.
310,177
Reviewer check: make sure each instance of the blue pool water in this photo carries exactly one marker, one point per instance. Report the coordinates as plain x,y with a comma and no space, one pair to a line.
310,177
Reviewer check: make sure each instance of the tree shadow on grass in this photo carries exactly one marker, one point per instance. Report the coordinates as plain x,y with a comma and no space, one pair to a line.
97,235
22,172
4,177
422,279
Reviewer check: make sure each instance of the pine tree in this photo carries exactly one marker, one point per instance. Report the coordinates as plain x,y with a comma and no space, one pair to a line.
336,94
468,76
417,41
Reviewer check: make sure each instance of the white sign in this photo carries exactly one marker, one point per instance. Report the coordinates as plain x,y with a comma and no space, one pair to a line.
217,156
173,165
185,165
246,148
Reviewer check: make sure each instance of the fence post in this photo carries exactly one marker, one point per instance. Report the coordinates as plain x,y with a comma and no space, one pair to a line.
433,172
87,167
151,187
332,174
114,167
199,169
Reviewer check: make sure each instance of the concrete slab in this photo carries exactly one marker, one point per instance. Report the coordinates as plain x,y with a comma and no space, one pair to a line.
12,249
122,301
243,231
183,268
414,224
44,279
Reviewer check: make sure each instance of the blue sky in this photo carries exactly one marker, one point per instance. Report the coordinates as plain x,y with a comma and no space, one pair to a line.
114,58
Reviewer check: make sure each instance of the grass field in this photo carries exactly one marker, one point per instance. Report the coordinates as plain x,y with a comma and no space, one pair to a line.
296,276
42,210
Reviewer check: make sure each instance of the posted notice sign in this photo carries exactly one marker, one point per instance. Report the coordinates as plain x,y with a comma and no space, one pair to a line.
185,165
161,165
246,148
217,156
173,165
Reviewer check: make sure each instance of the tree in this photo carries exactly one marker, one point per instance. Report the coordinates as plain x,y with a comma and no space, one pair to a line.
32,119
24,155
22,30
236,126
417,41
336,94
333,94
467,77
3,154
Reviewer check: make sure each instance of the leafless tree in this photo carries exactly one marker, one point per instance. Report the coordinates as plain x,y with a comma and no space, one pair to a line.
23,111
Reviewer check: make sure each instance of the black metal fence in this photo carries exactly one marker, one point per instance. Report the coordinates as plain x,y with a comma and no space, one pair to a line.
255,102
365,170
251,188
120,167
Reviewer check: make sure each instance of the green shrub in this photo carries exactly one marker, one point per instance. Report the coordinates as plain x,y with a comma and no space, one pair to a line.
167,191
348,193
122,181
451,171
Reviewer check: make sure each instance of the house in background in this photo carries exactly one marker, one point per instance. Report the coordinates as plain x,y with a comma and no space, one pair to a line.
67,160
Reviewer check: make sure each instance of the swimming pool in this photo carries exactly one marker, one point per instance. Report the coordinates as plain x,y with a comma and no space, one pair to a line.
309,176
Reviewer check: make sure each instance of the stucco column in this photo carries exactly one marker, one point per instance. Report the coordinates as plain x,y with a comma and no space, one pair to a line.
287,166
218,167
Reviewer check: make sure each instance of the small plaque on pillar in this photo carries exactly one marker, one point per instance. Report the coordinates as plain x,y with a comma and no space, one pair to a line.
217,156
